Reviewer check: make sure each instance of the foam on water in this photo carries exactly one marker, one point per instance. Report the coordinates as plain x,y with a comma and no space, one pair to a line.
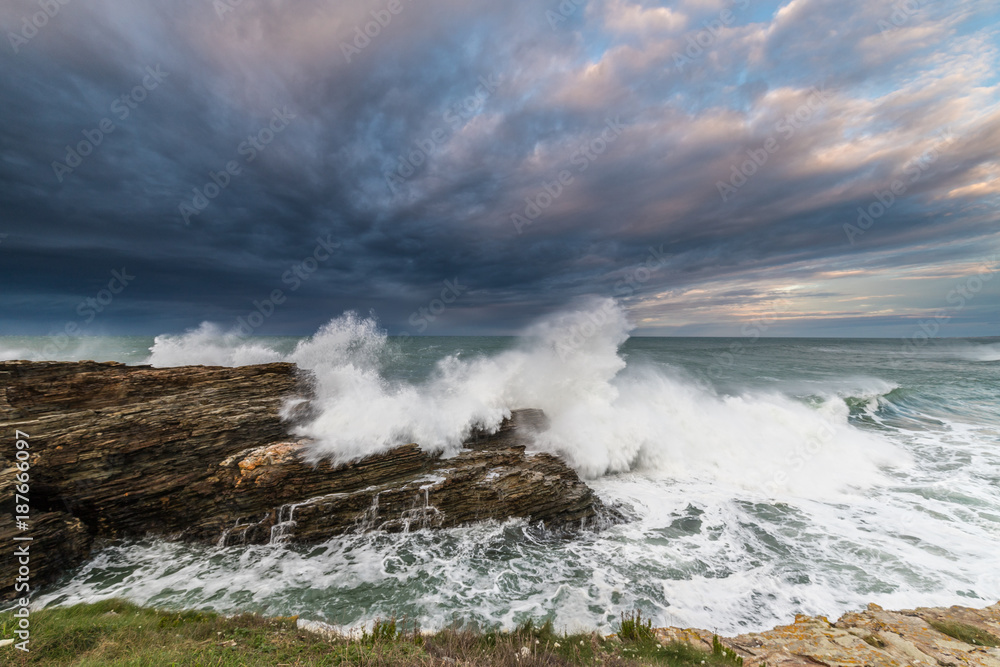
979,352
605,417
72,348
693,555
809,489
208,345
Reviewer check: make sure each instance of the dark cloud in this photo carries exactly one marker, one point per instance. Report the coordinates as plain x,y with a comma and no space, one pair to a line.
742,160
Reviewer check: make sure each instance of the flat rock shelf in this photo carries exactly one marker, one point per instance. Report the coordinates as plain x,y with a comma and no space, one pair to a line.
203,454
874,637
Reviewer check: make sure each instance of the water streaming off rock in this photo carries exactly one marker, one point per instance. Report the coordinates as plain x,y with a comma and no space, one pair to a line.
762,478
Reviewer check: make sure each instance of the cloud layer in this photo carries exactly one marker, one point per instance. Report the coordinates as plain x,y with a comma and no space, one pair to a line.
830,165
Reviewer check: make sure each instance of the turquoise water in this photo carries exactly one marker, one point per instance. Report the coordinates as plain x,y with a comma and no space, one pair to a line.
762,478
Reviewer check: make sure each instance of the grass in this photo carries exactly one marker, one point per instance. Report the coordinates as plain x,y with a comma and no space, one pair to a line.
633,629
117,633
728,655
114,633
965,633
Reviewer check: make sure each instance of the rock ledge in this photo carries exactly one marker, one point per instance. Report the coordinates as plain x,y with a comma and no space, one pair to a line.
202,454
873,638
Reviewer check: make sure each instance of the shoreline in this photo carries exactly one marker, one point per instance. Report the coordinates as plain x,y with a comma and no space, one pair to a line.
203,455
115,632
208,455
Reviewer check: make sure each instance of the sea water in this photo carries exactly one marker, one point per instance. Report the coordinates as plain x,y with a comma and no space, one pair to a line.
761,477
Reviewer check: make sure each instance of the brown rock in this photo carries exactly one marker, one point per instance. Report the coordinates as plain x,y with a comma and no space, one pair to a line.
874,638
58,543
201,453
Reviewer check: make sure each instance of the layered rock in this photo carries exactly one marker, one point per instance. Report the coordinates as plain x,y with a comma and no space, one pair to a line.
874,637
203,454
58,542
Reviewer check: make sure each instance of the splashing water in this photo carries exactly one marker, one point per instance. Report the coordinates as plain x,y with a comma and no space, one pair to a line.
806,477
605,417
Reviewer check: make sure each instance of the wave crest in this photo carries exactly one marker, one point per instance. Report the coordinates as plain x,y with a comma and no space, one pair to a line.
606,416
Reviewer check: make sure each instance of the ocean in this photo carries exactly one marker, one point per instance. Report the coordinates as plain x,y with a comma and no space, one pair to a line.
761,477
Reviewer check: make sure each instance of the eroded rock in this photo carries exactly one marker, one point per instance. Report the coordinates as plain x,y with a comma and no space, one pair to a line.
874,637
202,454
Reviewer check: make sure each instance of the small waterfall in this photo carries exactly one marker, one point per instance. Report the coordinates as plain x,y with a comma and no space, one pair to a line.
224,538
281,530
245,525
366,521
416,518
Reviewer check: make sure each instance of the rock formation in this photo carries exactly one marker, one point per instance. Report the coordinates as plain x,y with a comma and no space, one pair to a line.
874,638
202,454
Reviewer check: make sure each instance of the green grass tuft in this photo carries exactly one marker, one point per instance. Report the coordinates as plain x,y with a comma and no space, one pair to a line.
385,631
965,633
727,655
633,628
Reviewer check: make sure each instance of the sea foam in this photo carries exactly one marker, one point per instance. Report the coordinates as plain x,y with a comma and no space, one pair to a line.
606,416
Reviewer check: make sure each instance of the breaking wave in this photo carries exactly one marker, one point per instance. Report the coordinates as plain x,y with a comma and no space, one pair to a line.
978,352
606,416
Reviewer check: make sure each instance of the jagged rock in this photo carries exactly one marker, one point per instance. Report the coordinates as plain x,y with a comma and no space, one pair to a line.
473,486
58,542
128,449
874,637
202,454
515,431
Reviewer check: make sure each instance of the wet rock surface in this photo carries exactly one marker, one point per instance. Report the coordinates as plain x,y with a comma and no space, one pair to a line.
202,454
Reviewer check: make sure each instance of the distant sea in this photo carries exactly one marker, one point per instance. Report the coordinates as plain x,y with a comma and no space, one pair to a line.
762,477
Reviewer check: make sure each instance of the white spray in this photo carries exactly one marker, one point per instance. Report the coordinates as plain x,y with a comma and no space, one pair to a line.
606,417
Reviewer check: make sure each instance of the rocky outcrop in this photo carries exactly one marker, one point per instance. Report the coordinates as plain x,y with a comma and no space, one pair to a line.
874,637
58,542
203,454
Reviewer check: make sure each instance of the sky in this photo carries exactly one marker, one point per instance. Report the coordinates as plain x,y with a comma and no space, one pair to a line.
818,167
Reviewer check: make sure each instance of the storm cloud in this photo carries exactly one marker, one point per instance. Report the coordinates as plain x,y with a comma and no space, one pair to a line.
831,165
